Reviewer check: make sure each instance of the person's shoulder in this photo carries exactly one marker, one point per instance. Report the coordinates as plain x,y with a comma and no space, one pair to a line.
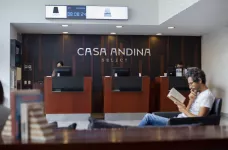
208,94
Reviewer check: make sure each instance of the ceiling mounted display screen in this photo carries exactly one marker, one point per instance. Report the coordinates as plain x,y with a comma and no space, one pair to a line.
56,12
105,12
87,12
76,12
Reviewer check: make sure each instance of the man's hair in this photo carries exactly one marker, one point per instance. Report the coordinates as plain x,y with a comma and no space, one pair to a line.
60,62
196,74
1,94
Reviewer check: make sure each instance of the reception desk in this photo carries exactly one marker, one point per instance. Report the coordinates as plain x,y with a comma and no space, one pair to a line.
162,87
120,99
67,100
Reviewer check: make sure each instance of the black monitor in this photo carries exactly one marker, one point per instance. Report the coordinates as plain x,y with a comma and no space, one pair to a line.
68,84
121,72
63,71
179,83
171,71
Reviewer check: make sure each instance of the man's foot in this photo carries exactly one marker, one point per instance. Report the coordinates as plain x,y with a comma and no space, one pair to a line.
73,126
54,124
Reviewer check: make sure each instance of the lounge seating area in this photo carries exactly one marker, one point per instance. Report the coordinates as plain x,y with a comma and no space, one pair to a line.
212,119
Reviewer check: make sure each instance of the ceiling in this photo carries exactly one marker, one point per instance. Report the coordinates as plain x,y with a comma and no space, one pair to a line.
199,19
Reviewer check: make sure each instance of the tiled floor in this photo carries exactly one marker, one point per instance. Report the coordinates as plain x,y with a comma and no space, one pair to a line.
82,120
224,121
82,123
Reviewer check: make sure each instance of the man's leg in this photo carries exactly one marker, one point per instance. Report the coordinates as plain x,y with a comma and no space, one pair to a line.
154,120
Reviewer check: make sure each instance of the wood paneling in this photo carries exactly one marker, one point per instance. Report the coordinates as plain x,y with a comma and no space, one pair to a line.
43,51
125,102
67,102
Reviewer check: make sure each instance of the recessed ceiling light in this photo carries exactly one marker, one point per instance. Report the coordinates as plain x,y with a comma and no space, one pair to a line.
171,27
65,32
119,26
64,25
112,33
159,34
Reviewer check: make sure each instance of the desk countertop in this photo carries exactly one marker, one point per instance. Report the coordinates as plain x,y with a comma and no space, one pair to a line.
188,138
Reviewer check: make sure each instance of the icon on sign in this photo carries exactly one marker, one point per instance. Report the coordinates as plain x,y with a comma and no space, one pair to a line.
55,10
107,13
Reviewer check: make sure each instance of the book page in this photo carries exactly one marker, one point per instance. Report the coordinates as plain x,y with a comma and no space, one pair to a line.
174,95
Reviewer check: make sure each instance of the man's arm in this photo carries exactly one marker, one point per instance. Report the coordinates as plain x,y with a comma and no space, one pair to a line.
192,97
203,112
189,104
206,104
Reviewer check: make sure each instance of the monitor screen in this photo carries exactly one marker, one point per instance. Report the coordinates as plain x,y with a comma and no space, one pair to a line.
63,71
171,71
67,84
121,72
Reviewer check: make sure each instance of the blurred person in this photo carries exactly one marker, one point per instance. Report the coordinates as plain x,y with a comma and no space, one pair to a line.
4,111
58,64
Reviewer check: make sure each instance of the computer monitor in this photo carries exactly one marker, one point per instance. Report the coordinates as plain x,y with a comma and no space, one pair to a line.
179,83
121,72
171,71
63,71
68,84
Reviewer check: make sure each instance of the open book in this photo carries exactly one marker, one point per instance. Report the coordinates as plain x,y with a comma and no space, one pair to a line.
174,95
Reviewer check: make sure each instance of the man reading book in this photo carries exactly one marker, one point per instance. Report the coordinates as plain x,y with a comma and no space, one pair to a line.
200,100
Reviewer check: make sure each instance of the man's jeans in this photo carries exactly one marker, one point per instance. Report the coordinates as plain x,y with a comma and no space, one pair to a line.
153,120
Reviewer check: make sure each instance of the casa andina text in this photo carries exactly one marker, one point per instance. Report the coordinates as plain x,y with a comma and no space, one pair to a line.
119,53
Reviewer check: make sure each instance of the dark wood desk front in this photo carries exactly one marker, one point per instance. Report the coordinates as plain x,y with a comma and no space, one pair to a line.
126,102
162,89
163,138
67,102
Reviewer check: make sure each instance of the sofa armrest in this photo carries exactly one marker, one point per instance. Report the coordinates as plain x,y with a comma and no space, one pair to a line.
209,120
167,114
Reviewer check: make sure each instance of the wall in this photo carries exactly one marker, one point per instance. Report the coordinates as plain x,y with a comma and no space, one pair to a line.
13,32
5,59
8,33
169,8
43,51
27,11
214,63
34,11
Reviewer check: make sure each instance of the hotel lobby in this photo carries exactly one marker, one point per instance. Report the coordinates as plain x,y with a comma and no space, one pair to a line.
106,65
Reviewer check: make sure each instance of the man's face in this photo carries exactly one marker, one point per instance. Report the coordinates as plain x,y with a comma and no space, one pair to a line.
59,65
193,86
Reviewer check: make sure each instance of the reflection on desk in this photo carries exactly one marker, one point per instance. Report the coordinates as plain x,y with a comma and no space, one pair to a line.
205,137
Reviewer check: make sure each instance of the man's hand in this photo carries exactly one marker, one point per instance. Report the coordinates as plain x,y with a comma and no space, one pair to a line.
182,108
179,103
192,95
